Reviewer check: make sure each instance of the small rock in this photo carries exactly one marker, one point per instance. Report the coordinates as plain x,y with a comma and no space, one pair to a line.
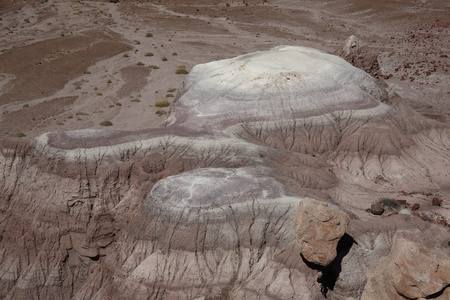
377,209
415,207
405,212
402,202
436,202
319,229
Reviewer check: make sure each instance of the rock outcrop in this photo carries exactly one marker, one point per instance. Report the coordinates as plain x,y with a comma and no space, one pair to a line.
357,53
319,229
410,271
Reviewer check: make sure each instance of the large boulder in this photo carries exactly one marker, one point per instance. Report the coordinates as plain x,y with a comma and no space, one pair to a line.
410,271
319,229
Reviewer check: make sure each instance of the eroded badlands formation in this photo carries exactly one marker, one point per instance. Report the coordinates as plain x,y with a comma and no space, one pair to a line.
286,173
205,206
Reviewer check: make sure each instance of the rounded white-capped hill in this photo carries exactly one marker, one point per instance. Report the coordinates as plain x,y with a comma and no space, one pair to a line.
284,82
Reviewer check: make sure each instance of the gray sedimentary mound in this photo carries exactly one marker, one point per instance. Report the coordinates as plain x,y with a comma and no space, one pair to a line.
319,229
410,271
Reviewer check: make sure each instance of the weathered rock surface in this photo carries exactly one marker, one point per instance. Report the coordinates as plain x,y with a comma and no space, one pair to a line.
377,209
357,53
410,271
319,229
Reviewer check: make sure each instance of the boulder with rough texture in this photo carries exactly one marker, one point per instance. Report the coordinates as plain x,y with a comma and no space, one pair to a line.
319,229
357,53
377,209
410,271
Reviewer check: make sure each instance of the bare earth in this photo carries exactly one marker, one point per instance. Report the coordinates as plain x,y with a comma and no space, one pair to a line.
93,214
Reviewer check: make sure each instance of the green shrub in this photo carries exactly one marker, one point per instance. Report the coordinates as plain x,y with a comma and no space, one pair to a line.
148,54
154,67
160,112
106,123
149,35
162,103
140,63
171,90
118,104
174,53
20,134
135,100
26,105
169,95
164,58
126,55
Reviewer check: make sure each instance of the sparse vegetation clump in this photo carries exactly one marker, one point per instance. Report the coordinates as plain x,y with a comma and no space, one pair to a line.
169,95
174,53
153,67
162,103
140,63
148,54
160,112
106,123
20,134
118,104
135,100
164,58
171,90
26,105
149,35
181,70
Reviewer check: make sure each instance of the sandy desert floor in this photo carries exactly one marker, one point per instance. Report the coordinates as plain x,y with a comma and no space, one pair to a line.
73,64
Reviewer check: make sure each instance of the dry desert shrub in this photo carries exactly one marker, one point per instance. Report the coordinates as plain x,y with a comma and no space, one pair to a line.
160,112
106,123
390,203
162,103
181,70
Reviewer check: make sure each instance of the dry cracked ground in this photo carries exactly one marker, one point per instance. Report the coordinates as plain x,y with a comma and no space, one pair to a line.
219,150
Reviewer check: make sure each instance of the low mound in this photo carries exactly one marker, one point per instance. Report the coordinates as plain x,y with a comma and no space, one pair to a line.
284,82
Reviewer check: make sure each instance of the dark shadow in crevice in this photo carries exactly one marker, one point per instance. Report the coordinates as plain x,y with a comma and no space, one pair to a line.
435,295
330,273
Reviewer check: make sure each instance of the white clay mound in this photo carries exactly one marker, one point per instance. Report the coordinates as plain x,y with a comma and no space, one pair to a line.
212,188
285,81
